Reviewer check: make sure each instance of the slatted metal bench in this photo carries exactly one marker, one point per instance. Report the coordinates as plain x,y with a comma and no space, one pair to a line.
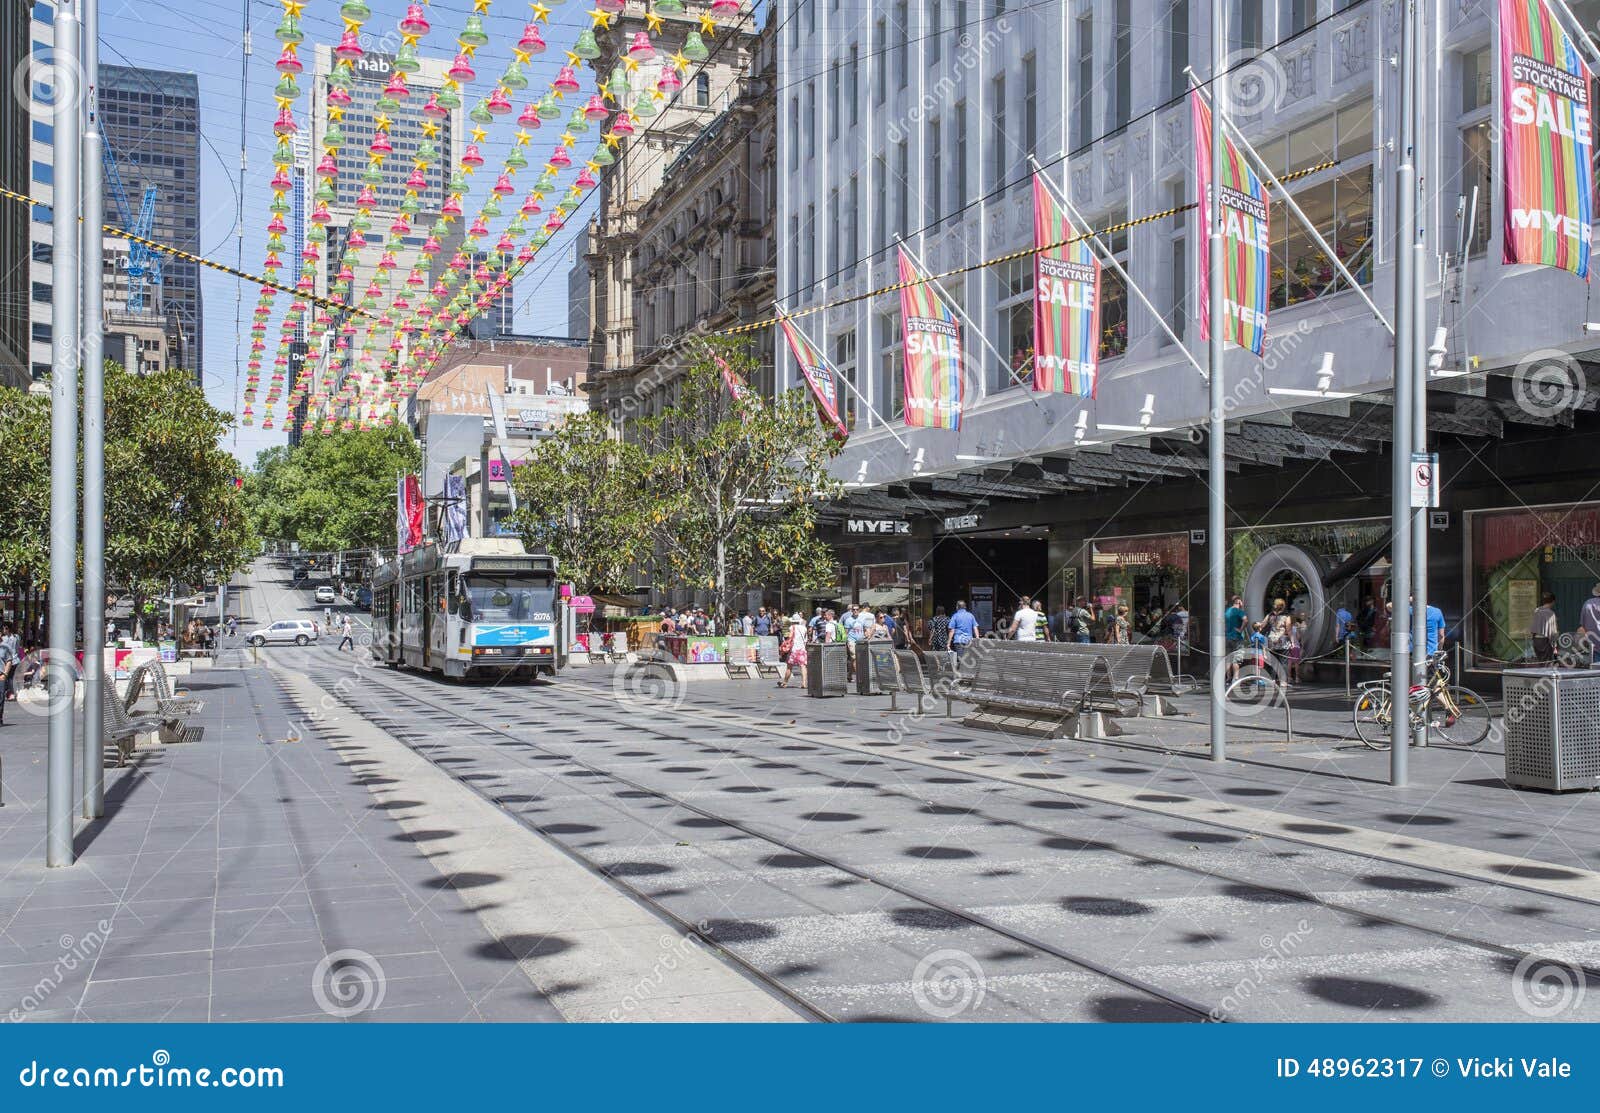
1033,688
171,708
120,729
1141,671
930,677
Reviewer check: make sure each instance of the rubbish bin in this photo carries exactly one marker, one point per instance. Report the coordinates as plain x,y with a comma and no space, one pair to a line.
1552,728
866,674
827,669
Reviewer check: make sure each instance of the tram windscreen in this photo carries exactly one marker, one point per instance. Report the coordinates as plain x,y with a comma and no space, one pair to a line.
509,599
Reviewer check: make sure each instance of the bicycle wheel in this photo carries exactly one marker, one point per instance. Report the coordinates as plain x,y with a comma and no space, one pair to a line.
1372,719
1459,716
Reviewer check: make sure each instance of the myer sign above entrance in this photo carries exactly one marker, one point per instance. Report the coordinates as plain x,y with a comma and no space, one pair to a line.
877,525
961,521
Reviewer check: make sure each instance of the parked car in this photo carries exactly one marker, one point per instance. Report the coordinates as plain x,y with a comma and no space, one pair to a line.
300,631
364,598
326,594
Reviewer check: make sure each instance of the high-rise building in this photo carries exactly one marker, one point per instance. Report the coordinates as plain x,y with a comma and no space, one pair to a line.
15,131
40,186
151,120
299,205
578,288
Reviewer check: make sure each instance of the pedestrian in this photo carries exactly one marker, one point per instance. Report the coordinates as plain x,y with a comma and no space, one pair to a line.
1235,624
939,630
1025,622
1343,625
763,624
1297,641
1118,628
347,633
327,619
1544,628
233,626
747,624
1277,626
1589,623
792,651
10,659
1178,624
963,627
878,631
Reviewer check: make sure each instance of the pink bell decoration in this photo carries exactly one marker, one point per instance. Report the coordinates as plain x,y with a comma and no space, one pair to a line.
380,144
526,254
459,262
554,223
430,246
623,125
451,207
434,109
506,245
349,47
724,9
471,157
416,180
356,239
328,167
400,227
503,185
482,273
440,290
642,49
415,23
288,61
669,80
345,274
584,179
529,117
338,96
609,5
530,206
309,255
415,279
479,228
387,262
560,158
461,69
498,103
596,108
397,86
366,198
285,125
566,81
276,226
531,42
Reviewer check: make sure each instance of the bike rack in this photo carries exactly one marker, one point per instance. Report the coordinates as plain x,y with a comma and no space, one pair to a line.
1280,694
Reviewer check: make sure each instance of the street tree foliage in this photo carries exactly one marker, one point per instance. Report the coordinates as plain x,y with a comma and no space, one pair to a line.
736,483
173,511
331,492
583,497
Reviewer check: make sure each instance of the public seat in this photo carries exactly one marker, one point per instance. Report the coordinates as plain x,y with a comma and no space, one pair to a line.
120,729
1140,673
171,708
1035,688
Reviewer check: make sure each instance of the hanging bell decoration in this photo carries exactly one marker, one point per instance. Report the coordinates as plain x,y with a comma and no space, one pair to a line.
584,180
586,47
498,103
516,159
471,156
724,9
531,41
645,108
623,124
433,109
566,80
603,156
480,113
642,49
528,117
473,34
548,108
357,12
560,159
288,61
449,99
414,23
669,81
618,84
405,59
596,108
669,7
349,47
578,123
514,78
287,88
694,47
289,31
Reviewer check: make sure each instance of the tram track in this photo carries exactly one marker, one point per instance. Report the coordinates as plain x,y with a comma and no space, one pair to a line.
1179,1002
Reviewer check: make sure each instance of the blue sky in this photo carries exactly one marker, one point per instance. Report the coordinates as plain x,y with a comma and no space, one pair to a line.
204,38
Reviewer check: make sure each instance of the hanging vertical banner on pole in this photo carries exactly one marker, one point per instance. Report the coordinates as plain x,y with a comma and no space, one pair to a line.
402,527
932,339
1246,232
735,387
414,509
818,375
1546,141
1066,305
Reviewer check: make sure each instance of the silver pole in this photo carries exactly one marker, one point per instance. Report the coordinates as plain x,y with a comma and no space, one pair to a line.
64,306
1419,376
1405,308
1215,523
92,769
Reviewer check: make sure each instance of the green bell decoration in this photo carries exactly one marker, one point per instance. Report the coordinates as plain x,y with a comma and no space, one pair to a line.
367,302
516,228
694,47
548,108
448,98
473,33
645,107
579,123
278,206
361,223
586,48
287,88
603,156
372,176
513,78
669,7
491,207
516,160
546,182
334,136
405,59
281,154
426,152
480,114
618,83
357,12
540,238
440,229
316,234
324,194
457,183
289,30
409,205
386,103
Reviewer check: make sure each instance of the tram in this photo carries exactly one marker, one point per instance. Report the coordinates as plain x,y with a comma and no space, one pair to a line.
487,608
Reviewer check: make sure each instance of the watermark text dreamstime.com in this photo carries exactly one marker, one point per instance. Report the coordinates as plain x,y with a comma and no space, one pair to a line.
158,1073
74,954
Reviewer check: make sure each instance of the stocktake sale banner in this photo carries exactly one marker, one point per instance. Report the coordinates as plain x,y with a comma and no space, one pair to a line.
932,339
1246,238
1066,310
1545,141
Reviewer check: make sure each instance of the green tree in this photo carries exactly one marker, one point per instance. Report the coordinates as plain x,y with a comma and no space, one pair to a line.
332,492
583,496
738,482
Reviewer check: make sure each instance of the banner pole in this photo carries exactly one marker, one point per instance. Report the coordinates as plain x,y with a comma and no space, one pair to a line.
1283,195
1580,38
1110,260
1400,495
1216,521
837,377
1419,385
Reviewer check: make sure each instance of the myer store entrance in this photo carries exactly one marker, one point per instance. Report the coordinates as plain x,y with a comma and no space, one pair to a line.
991,570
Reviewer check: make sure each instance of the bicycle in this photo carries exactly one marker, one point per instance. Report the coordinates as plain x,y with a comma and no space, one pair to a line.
1456,714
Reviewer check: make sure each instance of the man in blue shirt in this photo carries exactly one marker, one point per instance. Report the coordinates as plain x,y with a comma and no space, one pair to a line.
763,623
1234,622
1435,623
963,627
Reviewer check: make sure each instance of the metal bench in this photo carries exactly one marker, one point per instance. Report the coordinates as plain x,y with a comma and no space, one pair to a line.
766,666
119,728
171,708
924,677
1034,688
741,670
1143,672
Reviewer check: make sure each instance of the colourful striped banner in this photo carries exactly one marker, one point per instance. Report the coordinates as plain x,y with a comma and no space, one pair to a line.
1246,217
735,387
1546,141
1066,303
931,336
819,376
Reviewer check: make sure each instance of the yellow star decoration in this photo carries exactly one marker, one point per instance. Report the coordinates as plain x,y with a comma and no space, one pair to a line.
478,134
537,195
708,26
468,169
381,122
681,62
612,138
293,7
629,62
568,139
480,5
593,166
654,22
335,112
549,168
540,12
606,93
430,128
522,138
282,103
522,56
352,25
573,59
658,94
600,18
410,38
558,94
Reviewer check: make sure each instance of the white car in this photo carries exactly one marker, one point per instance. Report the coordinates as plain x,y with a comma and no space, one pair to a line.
300,631
326,594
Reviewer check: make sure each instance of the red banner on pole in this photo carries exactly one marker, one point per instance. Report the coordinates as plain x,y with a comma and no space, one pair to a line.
818,375
735,387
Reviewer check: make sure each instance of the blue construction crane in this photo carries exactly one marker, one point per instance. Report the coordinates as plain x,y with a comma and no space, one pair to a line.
144,264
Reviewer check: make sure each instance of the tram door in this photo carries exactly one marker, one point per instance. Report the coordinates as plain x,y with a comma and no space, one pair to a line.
392,596
427,623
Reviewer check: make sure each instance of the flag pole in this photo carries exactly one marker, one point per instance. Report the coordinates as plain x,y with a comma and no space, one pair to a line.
1110,260
1581,39
1283,195
838,378
1216,523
